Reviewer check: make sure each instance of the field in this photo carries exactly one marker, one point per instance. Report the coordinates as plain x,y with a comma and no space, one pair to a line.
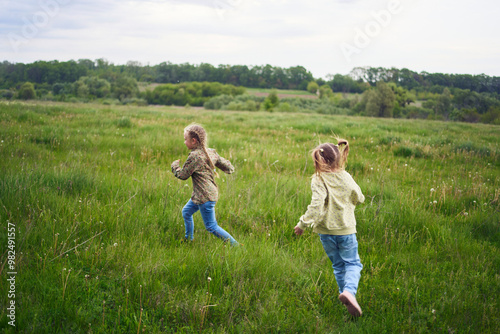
93,214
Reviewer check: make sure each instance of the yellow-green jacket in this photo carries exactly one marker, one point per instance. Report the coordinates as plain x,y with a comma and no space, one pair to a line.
334,198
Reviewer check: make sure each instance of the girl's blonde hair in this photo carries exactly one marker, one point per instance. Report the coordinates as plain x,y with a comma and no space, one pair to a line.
329,157
197,132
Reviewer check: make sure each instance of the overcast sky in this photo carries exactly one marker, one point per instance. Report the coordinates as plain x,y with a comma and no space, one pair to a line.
324,36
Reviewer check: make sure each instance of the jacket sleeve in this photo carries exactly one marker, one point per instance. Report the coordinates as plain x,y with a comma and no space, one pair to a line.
186,170
224,165
317,207
357,196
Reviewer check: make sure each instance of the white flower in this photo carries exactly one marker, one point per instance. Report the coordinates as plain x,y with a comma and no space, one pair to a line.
433,190
466,214
433,311
115,244
435,202
209,278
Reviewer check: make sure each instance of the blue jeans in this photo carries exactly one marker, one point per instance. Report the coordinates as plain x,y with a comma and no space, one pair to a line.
207,211
343,252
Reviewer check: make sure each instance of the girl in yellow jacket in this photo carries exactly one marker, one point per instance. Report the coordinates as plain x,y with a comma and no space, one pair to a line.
331,214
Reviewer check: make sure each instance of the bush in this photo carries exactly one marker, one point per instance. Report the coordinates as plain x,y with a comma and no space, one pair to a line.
192,93
27,91
6,94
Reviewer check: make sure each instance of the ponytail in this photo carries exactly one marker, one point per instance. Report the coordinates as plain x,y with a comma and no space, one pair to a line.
344,151
210,162
198,132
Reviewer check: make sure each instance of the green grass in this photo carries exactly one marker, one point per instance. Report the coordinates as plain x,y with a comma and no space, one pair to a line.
98,223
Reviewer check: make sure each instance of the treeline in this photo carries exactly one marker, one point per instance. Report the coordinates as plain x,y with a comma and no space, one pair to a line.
52,72
266,76
423,81
377,92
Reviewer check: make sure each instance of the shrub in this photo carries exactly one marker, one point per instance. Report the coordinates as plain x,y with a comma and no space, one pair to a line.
27,91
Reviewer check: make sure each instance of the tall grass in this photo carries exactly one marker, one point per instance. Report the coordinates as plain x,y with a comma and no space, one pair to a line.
98,220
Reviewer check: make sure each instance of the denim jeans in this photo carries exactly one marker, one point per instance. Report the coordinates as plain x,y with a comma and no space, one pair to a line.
343,252
207,211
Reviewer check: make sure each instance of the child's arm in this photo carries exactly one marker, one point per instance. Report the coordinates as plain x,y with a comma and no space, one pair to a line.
357,196
224,165
315,209
186,170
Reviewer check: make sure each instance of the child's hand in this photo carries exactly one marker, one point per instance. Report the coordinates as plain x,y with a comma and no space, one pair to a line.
298,230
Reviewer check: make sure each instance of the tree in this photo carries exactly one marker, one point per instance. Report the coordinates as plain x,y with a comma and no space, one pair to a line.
380,102
26,91
443,103
312,87
402,96
271,101
124,87
325,92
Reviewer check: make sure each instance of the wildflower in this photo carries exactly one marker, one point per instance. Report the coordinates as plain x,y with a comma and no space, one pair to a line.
433,190
209,279
466,214
435,202
406,165
371,168
115,244
433,311
388,169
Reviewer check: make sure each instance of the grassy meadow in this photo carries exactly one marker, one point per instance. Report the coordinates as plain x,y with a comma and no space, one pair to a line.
97,216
